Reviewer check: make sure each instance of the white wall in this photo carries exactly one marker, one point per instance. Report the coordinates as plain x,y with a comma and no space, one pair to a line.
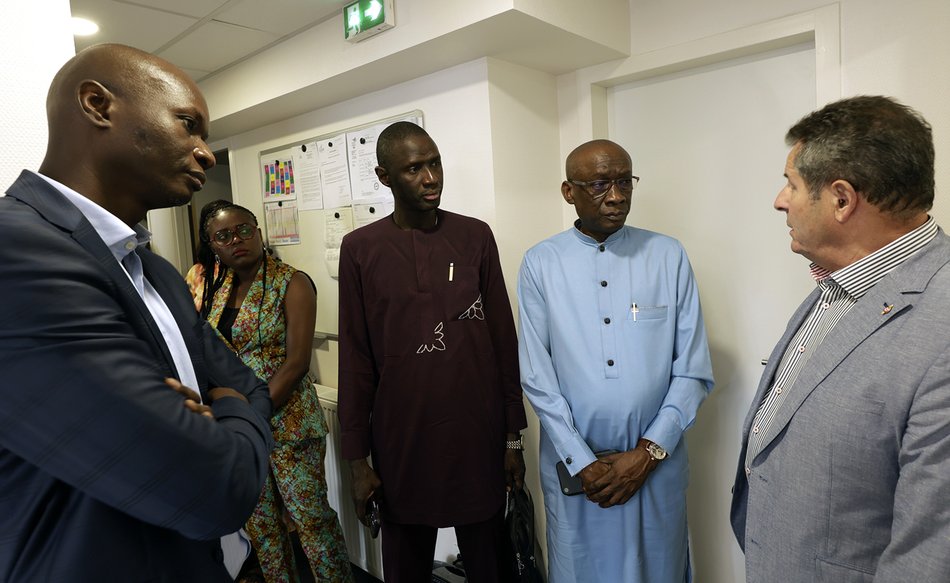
36,41
889,48
527,194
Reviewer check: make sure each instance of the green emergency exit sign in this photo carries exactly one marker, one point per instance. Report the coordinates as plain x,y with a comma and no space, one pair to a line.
364,18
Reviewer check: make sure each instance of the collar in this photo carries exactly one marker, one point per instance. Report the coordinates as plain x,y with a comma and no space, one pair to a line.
588,240
859,277
119,237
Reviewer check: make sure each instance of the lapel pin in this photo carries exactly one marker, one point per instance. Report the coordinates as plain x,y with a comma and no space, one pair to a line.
887,308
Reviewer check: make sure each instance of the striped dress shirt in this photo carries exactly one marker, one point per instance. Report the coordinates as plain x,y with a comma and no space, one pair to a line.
840,291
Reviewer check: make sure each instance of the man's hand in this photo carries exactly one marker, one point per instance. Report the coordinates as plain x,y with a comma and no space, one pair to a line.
365,486
591,473
625,475
514,469
192,399
222,392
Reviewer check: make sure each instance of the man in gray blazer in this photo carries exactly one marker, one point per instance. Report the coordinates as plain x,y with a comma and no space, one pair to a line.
844,472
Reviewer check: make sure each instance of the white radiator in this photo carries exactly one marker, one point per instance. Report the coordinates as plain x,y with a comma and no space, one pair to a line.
364,550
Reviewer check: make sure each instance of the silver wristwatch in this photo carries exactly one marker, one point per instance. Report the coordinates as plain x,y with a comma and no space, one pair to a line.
515,443
656,452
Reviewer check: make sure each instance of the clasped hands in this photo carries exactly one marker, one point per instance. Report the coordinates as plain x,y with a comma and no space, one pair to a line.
615,478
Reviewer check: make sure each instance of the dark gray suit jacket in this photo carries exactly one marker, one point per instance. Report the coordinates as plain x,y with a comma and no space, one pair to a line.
852,483
104,475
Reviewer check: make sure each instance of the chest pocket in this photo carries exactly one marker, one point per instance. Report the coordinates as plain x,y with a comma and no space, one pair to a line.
639,313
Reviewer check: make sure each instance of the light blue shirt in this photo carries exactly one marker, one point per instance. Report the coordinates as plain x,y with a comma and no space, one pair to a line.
612,349
122,240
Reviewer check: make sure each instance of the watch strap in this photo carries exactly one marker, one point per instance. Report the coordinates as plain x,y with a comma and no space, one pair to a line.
517,444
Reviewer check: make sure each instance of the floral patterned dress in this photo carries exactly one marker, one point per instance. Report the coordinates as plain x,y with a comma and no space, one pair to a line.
297,482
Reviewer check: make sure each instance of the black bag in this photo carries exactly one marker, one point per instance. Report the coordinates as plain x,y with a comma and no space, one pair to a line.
519,521
448,573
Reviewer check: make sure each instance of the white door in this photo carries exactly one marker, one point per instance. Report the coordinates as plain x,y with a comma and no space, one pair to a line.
708,144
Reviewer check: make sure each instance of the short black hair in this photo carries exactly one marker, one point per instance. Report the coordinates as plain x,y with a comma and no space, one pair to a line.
882,147
392,136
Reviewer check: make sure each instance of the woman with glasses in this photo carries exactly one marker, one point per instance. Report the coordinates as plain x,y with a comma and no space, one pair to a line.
265,310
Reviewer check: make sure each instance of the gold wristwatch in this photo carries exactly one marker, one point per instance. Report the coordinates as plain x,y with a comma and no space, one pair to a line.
656,452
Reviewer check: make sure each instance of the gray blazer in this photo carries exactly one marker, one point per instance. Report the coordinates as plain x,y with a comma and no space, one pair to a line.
852,483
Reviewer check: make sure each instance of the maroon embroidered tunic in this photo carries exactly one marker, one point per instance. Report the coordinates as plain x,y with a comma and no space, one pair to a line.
428,367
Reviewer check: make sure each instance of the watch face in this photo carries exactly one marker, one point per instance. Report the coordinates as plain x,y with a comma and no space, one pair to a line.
656,452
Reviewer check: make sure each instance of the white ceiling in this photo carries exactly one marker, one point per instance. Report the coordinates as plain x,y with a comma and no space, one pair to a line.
201,36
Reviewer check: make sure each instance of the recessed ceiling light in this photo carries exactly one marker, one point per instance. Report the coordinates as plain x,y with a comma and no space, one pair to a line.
84,27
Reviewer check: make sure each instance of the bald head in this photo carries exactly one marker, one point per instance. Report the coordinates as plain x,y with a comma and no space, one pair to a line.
583,154
127,72
599,185
127,130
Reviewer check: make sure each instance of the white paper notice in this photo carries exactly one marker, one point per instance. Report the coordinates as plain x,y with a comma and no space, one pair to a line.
334,172
364,214
283,227
307,177
333,263
364,184
339,222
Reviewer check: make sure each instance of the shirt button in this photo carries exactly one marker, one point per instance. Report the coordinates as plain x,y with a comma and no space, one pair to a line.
606,320
748,471
778,391
129,246
610,362
755,429
801,348
603,284
825,306
569,460
602,248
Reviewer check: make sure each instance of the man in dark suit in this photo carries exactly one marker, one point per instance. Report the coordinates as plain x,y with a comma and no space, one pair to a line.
111,467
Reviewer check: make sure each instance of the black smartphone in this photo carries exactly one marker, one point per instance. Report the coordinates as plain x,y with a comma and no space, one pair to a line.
572,485
372,518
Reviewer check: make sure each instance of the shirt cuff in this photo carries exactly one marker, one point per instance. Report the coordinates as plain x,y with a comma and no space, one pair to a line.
665,431
576,454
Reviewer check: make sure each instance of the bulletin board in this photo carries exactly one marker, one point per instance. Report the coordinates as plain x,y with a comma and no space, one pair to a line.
314,192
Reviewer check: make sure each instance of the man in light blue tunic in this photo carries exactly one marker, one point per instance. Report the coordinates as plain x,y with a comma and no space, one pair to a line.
613,357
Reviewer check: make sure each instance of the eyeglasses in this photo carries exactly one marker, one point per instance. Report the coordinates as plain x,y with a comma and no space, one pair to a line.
226,236
598,189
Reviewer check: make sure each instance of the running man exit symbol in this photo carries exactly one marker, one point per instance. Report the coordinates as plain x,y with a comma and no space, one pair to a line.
365,18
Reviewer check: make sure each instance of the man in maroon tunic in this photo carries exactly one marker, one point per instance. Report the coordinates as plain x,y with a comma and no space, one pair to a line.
428,371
